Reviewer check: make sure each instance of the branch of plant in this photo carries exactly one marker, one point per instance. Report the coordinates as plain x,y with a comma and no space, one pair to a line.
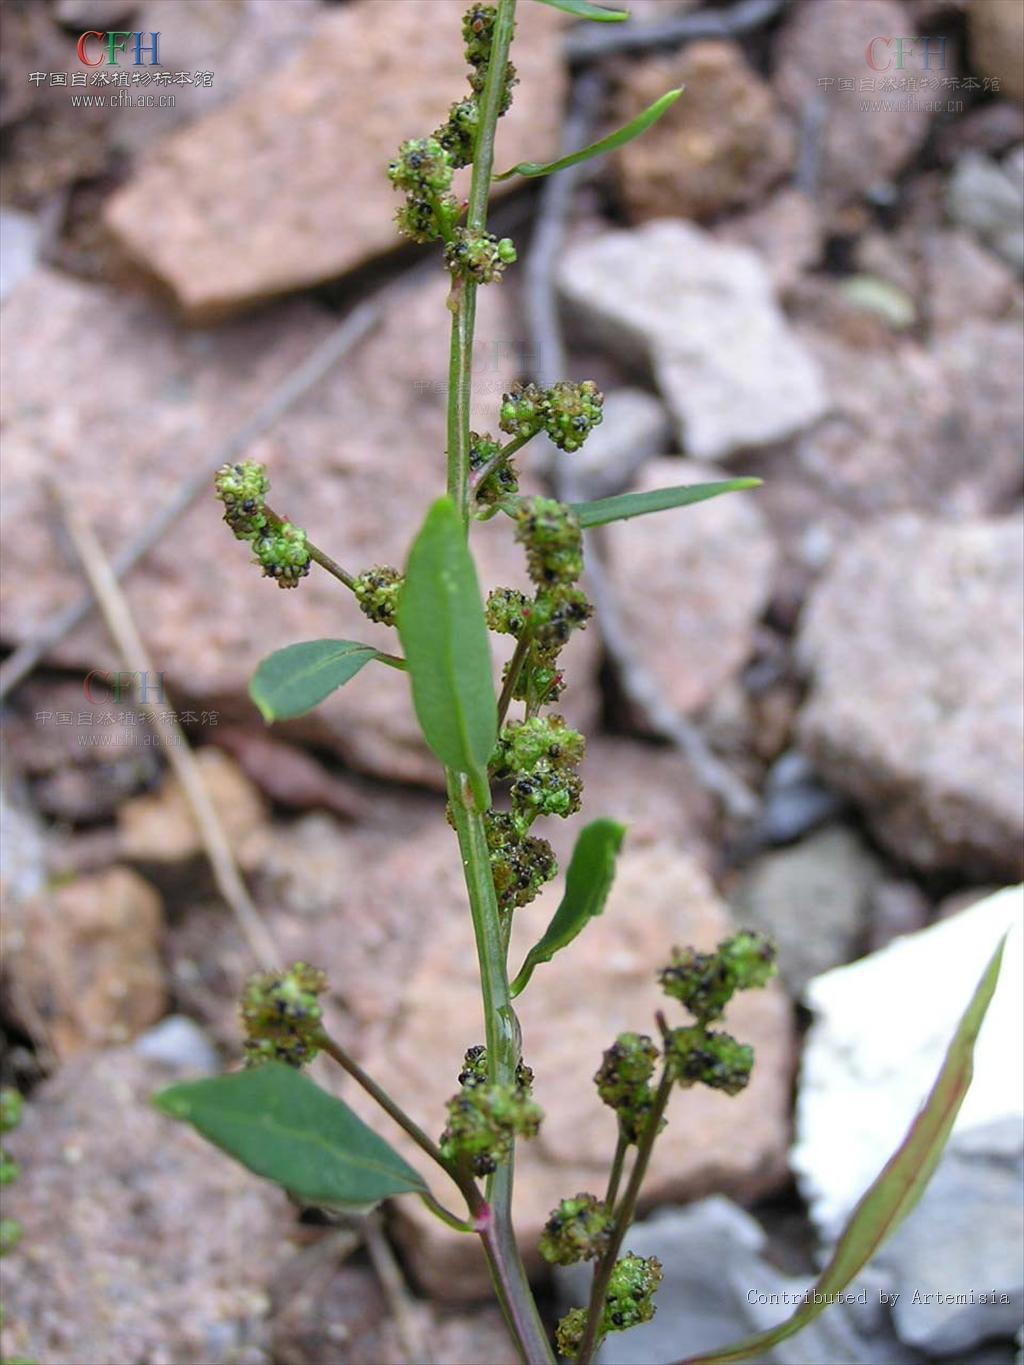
467,1187
496,461
615,1174
515,667
623,1219
121,624
295,386
316,555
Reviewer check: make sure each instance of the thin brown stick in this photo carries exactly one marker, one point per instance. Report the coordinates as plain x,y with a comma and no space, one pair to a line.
396,1291
122,627
291,389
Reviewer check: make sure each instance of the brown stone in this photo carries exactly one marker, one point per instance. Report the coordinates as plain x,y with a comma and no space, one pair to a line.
913,645
286,186
141,1242
964,281
995,31
720,147
572,1010
821,42
787,232
691,584
161,827
82,963
357,464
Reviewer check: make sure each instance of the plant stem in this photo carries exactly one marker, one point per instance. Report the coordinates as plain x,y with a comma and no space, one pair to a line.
623,1219
348,1063
501,1033
501,1028
316,555
515,667
496,461
615,1174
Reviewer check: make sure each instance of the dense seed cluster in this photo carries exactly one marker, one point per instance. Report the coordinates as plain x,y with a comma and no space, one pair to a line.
697,1054
630,1301
623,1082
279,547
503,482
484,1120
378,591
706,982
567,412
578,1230
282,1016
478,256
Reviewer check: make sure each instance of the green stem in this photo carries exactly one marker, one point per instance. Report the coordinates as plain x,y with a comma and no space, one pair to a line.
462,302
623,1219
348,1063
615,1174
501,1033
496,461
316,555
515,667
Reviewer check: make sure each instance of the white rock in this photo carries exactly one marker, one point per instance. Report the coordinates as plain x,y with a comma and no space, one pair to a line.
19,248
703,316
180,1043
882,1026
635,427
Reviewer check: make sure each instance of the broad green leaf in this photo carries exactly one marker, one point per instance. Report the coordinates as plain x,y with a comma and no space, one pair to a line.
587,883
276,1122
627,505
444,637
293,680
619,138
583,9
896,1189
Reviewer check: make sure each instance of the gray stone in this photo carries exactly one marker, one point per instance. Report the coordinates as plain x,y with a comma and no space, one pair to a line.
702,315
813,901
972,1210
881,1029
179,1043
19,248
914,645
691,585
795,800
987,197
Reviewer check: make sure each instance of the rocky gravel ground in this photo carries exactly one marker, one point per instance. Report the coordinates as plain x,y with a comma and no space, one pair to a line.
804,273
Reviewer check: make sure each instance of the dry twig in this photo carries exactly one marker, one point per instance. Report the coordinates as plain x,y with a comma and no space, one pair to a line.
122,627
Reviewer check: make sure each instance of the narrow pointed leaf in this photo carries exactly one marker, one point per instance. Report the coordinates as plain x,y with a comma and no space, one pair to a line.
444,637
587,883
896,1189
619,138
276,1122
627,505
293,680
583,9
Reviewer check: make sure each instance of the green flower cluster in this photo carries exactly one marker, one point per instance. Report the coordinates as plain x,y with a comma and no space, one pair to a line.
377,591
578,1230
567,412
478,256
539,755
11,1108
424,167
484,1120
503,483
623,1082
631,1290
705,983
279,547
520,863
282,1015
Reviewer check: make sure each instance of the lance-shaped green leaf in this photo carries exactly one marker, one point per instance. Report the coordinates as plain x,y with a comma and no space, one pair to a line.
587,883
444,636
896,1189
583,9
627,505
619,138
293,680
276,1122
